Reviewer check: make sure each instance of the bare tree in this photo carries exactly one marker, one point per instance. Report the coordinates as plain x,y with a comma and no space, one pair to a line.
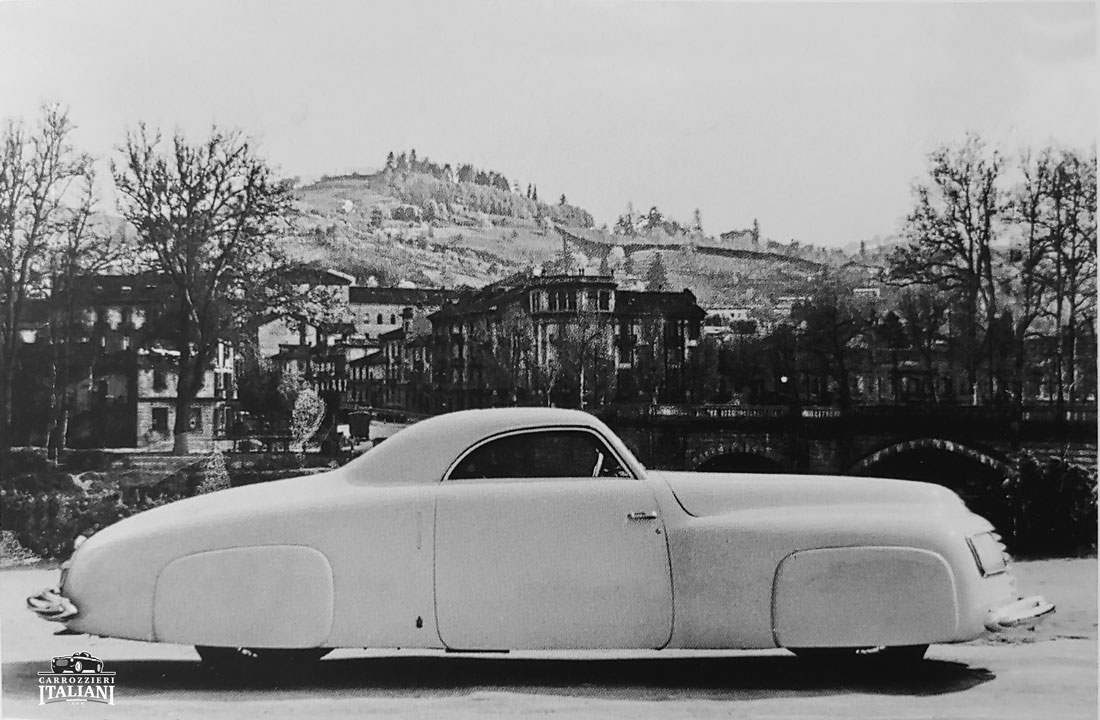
508,360
82,249
37,168
1023,281
828,326
585,351
651,368
206,217
951,232
1069,217
923,313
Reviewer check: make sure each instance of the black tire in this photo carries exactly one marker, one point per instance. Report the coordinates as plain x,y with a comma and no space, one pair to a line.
893,656
259,660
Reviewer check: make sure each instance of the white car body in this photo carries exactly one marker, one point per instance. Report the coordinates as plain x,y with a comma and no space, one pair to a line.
391,551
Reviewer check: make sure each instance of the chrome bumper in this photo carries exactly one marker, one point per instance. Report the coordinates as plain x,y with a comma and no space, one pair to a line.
50,604
1022,613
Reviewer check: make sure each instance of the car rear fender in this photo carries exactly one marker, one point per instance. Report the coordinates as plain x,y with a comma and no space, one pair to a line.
278,596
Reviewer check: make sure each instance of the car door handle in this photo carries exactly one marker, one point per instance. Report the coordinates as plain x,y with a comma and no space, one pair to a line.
642,515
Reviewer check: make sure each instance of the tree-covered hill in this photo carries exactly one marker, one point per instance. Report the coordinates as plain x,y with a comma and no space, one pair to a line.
420,222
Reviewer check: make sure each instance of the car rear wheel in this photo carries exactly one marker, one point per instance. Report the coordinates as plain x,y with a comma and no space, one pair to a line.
894,655
237,659
78,666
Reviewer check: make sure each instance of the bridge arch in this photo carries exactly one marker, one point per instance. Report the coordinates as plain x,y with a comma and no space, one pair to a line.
738,457
989,459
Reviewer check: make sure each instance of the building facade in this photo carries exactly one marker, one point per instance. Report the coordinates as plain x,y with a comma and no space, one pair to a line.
118,369
569,340
379,310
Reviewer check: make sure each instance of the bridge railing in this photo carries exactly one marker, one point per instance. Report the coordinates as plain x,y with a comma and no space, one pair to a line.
1078,415
720,411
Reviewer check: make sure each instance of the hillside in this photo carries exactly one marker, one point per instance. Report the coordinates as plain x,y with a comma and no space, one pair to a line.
421,228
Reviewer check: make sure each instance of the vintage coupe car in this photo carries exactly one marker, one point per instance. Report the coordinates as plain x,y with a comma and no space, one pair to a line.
77,663
536,528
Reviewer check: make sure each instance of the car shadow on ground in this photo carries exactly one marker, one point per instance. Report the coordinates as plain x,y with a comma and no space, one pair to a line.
633,678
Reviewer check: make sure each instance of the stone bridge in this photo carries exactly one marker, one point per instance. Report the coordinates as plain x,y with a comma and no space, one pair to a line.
937,444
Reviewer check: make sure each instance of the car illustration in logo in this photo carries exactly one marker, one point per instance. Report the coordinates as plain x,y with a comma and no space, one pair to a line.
80,662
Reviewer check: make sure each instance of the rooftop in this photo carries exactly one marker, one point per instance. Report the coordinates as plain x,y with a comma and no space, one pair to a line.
307,275
417,297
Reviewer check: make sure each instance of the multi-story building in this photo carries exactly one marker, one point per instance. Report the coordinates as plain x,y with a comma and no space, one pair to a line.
118,367
361,362
154,375
366,376
333,289
379,310
392,345
406,367
727,323
564,339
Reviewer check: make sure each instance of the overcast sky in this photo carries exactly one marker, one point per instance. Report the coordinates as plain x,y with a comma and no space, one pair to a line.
814,118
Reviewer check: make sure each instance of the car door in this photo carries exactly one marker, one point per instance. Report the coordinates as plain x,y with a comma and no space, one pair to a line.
544,540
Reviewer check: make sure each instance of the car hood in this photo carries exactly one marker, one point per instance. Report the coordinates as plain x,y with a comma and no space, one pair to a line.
705,494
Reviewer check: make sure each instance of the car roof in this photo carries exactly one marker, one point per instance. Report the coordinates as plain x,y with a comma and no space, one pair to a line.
422,453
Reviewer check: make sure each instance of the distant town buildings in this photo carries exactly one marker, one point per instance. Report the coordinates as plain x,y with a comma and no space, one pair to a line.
577,340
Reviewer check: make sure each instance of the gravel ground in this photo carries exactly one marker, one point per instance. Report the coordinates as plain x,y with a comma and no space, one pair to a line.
1049,672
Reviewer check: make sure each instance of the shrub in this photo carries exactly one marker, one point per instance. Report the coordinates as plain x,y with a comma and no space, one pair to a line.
1050,505
215,474
12,552
45,508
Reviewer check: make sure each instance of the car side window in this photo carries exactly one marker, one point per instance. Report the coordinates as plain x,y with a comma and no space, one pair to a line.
541,454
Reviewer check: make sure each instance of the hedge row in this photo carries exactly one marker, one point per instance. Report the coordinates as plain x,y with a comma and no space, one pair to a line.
1048,507
47,525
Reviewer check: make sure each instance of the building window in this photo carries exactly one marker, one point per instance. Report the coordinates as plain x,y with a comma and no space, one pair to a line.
196,419
160,380
393,319
563,300
160,420
379,319
605,299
